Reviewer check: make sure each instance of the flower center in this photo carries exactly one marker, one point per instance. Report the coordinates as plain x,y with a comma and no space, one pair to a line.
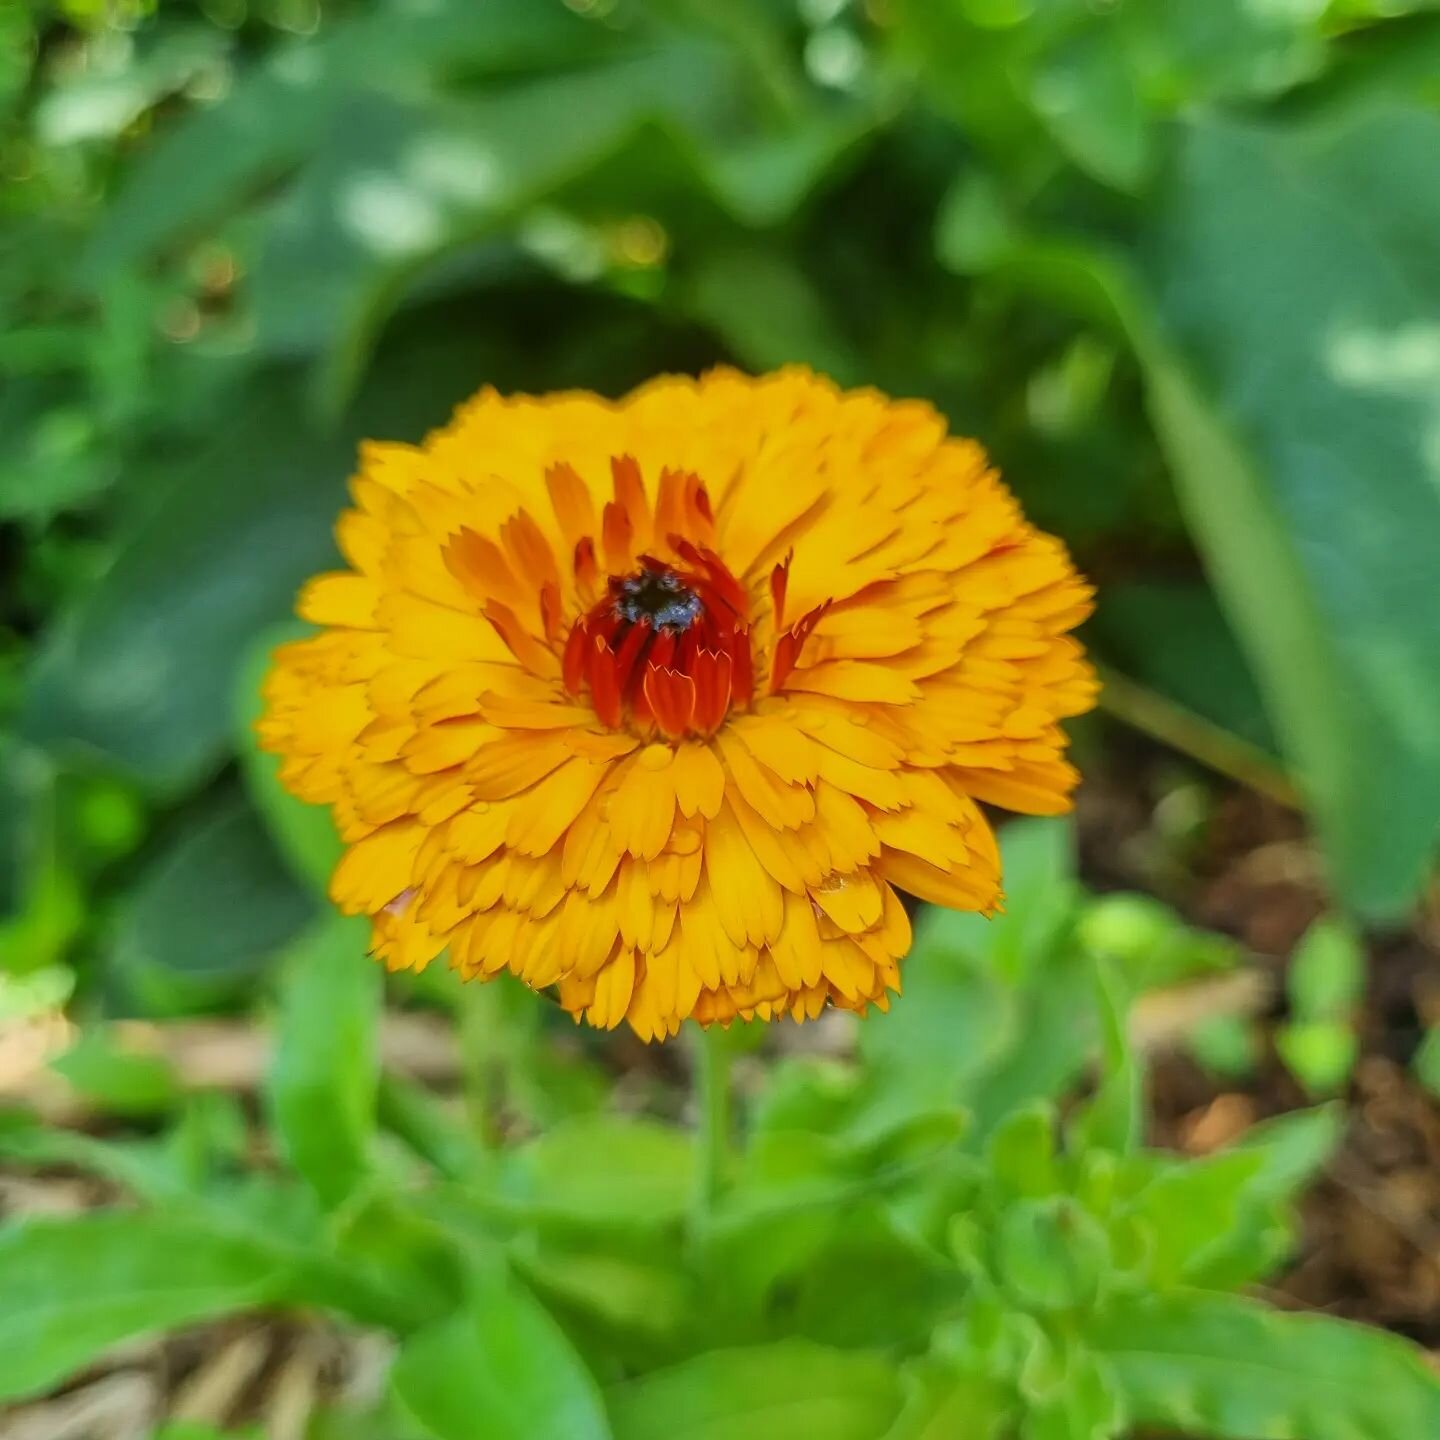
657,596
667,648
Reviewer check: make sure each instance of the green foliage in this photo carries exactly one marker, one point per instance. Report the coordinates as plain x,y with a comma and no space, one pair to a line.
1327,974
499,1369
72,1288
1170,263
323,1083
876,1267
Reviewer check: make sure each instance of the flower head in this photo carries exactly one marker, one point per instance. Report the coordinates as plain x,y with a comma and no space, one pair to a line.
656,701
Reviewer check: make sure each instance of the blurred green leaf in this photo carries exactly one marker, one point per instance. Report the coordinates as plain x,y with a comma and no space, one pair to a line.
1226,1045
304,834
116,1079
1040,891
101,100
322,1085
943,1403
605,1170
1299,447
1173,637
70,1289
141,668
501,1369
1087,94
1320,1054
207,912
217,155
769,1392
1326,977
1225,1366
1050,1254
1427,1061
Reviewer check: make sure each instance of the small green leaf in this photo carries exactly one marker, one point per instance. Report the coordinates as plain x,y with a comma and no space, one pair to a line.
1226,1045
1227,1367
69,1289
500,1369
1051,1254
322,1085
1427,1061
943,1402
1327,971
1320,1054
1038,876
1112,1119
1190,1208
1021,1153
119,1080
769,1392
1092,104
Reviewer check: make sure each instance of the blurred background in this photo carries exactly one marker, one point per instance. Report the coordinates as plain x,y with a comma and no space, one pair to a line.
1172,261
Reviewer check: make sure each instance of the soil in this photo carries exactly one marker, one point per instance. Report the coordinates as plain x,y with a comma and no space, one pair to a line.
1235,862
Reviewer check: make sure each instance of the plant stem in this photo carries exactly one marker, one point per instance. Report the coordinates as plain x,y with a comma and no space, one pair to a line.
712,1120
1162,719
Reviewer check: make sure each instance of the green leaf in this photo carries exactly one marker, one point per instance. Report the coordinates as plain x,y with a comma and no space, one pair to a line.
1327,971
770,312
1226,1045
1113,1117
944,1403
119,1080
141,668
1038,876
70,1289
603,1170
1228,1367
1172,636
322,1086
207,912
98,106
1088,97
500,1369
1297,426
769,1392
1190,1208
1427,1061
211,159
304,834
1050,1254
1320,1054
1021,1153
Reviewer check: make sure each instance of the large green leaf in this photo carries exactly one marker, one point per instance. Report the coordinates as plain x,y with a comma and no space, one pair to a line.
1223,1366
1294,271
71,1288
500,1369
304,834
140,668
324,1079
769,1392
210,909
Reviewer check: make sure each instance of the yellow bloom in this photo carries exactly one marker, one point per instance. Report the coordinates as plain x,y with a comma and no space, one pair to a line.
654,701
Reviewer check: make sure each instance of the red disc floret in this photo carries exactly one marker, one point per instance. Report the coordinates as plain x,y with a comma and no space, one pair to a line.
666,648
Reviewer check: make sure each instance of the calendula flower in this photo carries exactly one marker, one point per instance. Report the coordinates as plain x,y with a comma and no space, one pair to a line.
657,701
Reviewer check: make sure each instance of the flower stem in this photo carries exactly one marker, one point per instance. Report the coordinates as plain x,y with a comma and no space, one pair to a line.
712,1121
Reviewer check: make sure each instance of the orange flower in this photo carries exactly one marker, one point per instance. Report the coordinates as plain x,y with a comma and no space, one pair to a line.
655,701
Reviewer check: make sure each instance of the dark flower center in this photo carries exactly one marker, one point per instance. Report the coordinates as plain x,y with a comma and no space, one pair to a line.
657,595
